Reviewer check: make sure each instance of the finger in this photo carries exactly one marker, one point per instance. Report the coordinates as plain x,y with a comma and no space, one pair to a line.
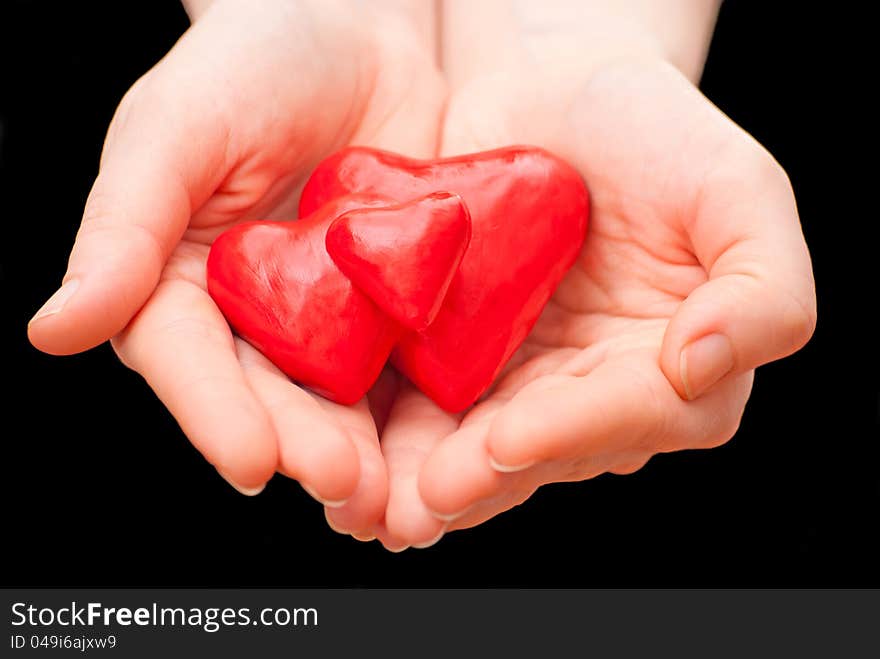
415,427
139,206
182,346
366,506
729,203
759,303
629,463
489,508
360,536
517,490
313,447
333,450
457,474
623,405
388,541
182,130
460,475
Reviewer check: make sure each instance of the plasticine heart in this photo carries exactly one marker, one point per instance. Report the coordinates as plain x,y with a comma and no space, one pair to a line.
280,290
528,214
405,267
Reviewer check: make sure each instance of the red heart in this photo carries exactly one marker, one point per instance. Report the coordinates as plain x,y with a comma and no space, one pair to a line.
529,217
279,289
403,257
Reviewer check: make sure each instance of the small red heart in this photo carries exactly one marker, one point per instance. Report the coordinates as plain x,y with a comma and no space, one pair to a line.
528,212
403,257
280,290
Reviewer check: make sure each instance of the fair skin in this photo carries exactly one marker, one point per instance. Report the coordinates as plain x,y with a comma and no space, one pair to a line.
694,271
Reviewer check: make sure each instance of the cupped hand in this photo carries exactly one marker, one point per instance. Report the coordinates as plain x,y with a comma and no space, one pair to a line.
694,272
225,129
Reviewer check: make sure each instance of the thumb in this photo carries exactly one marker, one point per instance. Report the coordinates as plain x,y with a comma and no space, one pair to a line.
759,303
139,206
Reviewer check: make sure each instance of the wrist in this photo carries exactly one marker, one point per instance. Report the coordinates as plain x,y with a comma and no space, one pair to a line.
573,38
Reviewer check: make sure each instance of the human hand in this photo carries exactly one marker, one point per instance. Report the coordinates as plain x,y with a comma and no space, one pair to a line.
225,129
694,235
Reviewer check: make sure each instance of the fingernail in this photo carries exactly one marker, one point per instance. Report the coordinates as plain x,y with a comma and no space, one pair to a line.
363,538
56,303
508,469
703,362
449,517
433,541
327,502
247,491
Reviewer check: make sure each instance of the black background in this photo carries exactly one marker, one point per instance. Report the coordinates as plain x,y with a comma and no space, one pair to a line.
100,487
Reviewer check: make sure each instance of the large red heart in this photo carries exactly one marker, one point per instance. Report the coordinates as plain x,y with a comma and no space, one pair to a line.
279,289
529,214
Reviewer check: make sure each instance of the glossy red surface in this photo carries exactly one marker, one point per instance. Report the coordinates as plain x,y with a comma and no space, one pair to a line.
528,216
404,257
281,292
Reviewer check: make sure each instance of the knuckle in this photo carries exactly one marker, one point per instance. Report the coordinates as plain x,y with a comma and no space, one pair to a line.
130,106
100,206
724,425
629,466
579,469
125,345
105,215
725,433
118,344
795,314
713,421
102,226
196,331
152,327
797,308
766,168
792,315
657,420
744,163
799,322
